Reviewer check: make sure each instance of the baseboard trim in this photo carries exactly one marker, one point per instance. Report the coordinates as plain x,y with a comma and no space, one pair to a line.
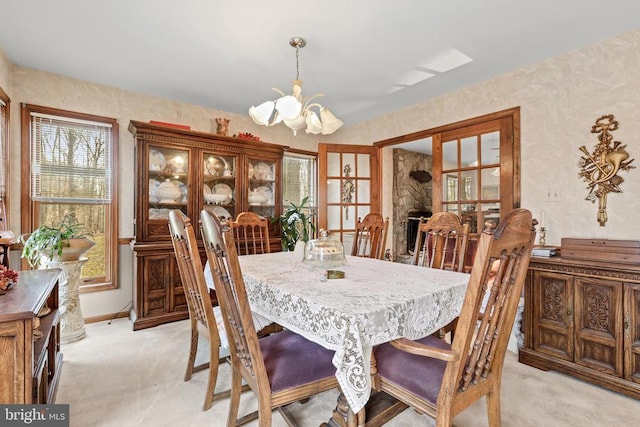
104,317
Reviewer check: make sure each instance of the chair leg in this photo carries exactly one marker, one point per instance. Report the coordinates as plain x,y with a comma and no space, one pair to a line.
493,406
193,349
236,386
213,375
265,413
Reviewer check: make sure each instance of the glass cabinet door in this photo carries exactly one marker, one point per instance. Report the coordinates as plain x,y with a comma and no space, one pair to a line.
168,170
261,191
219,187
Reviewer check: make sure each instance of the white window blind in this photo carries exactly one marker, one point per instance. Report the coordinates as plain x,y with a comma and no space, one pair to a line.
299,178
71,160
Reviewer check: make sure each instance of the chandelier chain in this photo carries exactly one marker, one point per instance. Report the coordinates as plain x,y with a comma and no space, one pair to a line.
297,63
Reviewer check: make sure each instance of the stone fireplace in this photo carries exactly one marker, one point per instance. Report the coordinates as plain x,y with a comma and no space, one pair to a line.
411,196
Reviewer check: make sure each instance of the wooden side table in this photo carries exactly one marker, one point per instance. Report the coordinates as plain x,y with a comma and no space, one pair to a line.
71,320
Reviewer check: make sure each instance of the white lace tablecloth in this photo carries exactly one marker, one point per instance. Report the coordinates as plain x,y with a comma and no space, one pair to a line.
376,302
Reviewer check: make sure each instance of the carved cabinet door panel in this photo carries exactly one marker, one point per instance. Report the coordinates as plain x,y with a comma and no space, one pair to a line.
598,325
632,331
156,275
553,314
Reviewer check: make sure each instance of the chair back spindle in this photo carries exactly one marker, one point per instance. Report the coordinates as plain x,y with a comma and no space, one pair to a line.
251,234
370,236
442,242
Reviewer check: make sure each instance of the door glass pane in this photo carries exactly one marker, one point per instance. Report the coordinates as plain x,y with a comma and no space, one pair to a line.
490,143
349,217
363,211
333,191
363,166
469,190
333,217
469,151
490,183
364,186
348,164
333,164
449,155
450,188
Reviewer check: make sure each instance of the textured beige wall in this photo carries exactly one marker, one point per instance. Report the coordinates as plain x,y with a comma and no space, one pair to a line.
560,99
41,88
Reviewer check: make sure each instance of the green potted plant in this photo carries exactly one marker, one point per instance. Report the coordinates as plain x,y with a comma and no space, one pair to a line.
63,241
296,224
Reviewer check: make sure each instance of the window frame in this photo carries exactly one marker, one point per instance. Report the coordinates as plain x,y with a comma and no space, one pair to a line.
312,207
4,160
31,208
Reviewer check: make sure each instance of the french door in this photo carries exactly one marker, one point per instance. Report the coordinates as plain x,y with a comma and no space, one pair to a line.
473,171
349,188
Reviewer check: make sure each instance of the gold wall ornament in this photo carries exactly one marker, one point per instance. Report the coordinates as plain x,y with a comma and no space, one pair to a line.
600,168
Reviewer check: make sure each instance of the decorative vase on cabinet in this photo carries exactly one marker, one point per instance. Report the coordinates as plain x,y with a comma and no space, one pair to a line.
209,171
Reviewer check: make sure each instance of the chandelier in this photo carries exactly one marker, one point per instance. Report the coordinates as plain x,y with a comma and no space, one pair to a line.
294,110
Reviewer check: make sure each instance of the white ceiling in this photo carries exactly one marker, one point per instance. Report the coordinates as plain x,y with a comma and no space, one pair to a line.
227,55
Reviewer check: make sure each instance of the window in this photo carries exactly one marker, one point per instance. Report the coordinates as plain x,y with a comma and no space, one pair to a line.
299,180
72,170
4,160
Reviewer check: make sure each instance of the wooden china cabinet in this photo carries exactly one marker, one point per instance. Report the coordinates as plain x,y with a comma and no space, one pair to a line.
191,171
582,317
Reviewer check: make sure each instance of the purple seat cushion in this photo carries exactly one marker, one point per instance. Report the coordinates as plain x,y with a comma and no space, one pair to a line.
292,360
419,375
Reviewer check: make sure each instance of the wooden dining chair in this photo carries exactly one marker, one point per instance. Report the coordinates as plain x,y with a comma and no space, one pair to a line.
441,379
370,236
442,242
281,368
251,233
201,314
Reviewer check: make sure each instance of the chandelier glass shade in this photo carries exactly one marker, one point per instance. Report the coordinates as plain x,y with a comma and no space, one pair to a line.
295,111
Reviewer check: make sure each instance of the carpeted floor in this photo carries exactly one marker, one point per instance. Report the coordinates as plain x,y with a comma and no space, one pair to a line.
117,377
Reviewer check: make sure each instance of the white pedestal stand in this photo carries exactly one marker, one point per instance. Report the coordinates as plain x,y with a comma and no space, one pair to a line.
71,320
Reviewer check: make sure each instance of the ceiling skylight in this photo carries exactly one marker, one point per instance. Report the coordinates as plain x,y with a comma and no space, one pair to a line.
446,60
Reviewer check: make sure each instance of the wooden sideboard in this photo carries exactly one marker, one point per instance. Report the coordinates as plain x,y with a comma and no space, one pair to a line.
582,318
30,367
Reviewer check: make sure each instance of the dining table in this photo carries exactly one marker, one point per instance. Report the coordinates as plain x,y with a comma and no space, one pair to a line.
376,302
